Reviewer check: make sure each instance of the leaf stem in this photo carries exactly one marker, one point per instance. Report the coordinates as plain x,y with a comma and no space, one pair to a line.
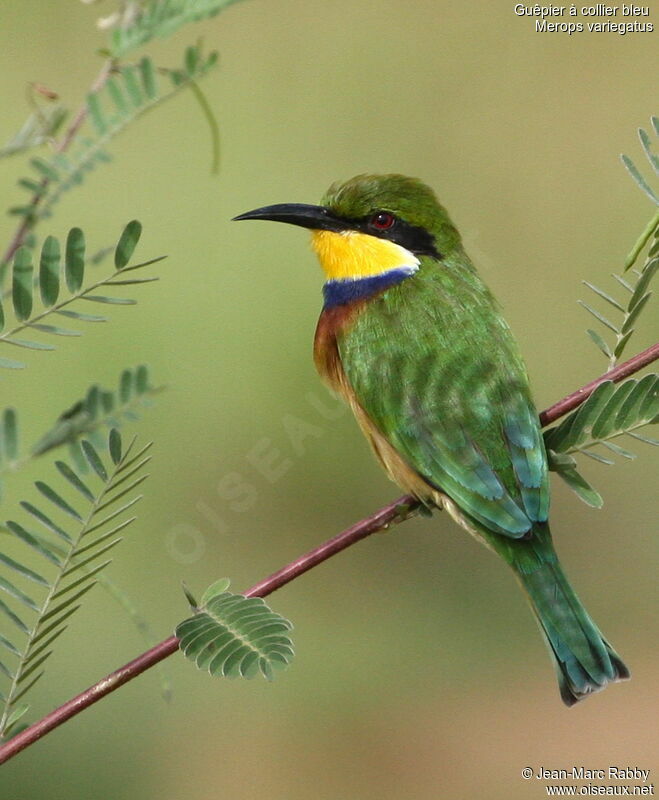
393,513
207,111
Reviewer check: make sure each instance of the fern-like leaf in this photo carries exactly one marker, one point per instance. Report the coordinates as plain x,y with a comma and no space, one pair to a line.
48,283
610,412
118,595
235,636
69,563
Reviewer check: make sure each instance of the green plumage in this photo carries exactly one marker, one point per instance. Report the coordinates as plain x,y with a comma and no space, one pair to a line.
432,370
434,365
451,396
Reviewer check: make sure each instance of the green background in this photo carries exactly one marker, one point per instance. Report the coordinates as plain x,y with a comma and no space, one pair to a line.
419,670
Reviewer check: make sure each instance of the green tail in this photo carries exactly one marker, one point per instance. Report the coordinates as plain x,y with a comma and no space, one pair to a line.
585,662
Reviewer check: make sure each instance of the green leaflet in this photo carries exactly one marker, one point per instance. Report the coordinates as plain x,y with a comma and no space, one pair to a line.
9,363
646,143
600,342
127,244
21,292
14,717
74,265
235,636
114,444
94,459
68,567
218,587
640,181
9,435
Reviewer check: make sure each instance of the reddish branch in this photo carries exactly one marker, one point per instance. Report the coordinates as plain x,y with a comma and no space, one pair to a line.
395,512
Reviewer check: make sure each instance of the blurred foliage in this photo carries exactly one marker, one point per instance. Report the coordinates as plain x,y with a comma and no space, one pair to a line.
87,417
72,557
121,98
127,92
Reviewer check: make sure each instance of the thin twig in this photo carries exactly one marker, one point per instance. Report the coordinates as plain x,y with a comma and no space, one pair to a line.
391,514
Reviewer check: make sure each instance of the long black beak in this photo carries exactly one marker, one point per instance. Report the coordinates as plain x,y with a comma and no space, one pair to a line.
306,216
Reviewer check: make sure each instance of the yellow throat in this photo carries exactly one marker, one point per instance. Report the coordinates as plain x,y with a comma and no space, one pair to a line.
351,255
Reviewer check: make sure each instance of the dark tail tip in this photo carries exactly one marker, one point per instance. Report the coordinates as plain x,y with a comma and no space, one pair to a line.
622,672
613,672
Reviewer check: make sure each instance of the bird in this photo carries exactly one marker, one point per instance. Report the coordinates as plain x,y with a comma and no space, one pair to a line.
416,344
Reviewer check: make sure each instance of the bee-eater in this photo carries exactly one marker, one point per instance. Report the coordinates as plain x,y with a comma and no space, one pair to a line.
414,341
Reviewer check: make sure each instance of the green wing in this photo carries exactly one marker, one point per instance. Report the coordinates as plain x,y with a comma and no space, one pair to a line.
434,365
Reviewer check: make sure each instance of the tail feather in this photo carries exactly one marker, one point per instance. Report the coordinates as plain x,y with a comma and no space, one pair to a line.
585,662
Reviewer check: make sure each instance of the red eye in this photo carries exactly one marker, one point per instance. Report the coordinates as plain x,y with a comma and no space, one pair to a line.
383,220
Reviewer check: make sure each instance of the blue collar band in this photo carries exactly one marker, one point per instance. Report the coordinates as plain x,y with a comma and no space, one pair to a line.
348,290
